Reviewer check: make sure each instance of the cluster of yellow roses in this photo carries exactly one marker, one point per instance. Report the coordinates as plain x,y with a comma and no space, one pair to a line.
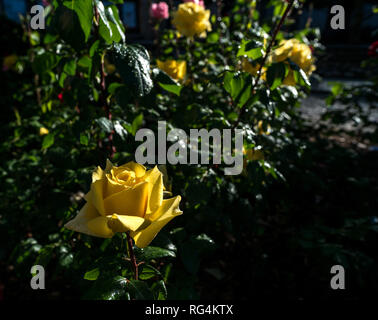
129,198
292,49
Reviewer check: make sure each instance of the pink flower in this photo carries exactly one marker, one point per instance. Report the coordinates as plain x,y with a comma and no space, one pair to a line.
45,3
159,10
199,2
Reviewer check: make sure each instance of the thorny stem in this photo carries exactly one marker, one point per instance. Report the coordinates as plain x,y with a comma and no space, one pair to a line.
275,32
132,255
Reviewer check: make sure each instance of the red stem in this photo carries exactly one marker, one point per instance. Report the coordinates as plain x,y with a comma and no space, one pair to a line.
132,255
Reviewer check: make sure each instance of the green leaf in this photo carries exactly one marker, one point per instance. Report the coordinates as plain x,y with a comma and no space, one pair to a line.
159,289
105,29
118,29
192,251
137,123
139,290
84,11
84,139
149,253
133,64
337,88
108,288
252,49
120,130
92,274
44,255
70,67
45,62
66,23
166,82
105,124
48,141
94,48
276,74
148,272
114,86
302,78
234,84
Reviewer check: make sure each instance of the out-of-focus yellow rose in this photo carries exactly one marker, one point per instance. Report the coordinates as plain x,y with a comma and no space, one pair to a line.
254,154
296,51
43,131
175,69
109,67
127,198
9,62
253,69
260,128
192,20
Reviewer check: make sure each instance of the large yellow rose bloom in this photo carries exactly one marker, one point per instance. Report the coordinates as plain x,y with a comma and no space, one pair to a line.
296,51
192,20
127,198
175,69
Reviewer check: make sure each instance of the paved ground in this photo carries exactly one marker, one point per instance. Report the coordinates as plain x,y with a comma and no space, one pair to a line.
314,105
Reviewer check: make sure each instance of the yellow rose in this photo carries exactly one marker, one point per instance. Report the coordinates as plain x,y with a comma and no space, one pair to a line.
175,69
192,19
127,198
260,128
296,51
9,62
248,67
43,131
254,154
109,67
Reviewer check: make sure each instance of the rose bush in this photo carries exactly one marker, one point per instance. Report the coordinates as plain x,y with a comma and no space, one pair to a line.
86,81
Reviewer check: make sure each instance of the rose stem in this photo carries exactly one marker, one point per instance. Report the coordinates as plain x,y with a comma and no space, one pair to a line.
275,32
132,255
103,100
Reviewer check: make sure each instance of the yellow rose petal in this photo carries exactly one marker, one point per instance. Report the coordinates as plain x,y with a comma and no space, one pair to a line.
139,170
79,223
120,223
168,210
132,201
99,227
156,188
95,196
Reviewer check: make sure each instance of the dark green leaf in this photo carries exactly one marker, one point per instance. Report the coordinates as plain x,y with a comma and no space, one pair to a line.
149,253
276,74
133,64
84,11
139,290
105,124
108,288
